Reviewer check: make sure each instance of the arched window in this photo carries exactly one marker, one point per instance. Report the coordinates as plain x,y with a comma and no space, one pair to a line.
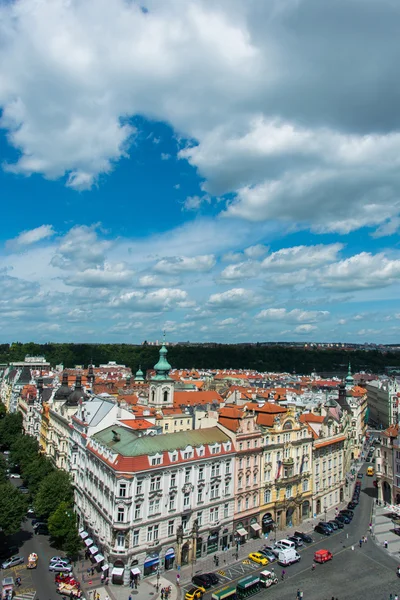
287,425
153,395
166,396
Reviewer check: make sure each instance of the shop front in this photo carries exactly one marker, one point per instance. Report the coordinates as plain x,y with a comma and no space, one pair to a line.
212,542
169,559
151,564
240,534
185,553
225,539
117,573
267,523
199,547
255,528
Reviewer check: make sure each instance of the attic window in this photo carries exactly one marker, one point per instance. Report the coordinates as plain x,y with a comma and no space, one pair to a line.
155,460
174,457
201,452
215,449
228,446
187,455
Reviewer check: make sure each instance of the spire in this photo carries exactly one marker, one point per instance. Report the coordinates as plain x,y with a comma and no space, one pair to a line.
139,374
90,375
349,378
162,368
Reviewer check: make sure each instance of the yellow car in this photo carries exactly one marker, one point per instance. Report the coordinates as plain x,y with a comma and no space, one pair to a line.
259,558
195,593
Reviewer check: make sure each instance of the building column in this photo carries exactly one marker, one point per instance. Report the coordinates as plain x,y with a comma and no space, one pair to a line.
179,540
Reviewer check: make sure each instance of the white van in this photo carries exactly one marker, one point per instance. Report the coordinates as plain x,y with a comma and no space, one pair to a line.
283,544
288,557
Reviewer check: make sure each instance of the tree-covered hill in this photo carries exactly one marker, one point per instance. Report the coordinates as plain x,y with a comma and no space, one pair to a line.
235,356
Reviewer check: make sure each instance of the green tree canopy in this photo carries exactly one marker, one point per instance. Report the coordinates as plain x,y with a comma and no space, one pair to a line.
13,507
36,471
10,429
24,450
55,487
72,543
61,522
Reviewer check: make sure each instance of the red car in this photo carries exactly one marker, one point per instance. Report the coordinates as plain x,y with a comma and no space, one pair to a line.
322,556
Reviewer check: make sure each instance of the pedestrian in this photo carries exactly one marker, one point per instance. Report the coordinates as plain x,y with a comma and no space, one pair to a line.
130,597
298,593
391,597
92,571
177,578
216,561
361,543
385,544
301,595
136,583
283,574
365,539
396,597
102,578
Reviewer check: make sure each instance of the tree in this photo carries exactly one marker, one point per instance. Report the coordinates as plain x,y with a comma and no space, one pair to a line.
24,449
72,544
61,522
13,507
54,487
10,429
36,471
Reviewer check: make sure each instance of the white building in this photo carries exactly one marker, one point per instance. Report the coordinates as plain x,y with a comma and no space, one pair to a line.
149,501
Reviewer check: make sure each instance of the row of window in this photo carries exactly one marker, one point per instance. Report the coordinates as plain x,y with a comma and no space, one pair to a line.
331,462
189,453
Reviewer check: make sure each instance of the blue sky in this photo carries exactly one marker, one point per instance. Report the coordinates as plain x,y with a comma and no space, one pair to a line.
224,171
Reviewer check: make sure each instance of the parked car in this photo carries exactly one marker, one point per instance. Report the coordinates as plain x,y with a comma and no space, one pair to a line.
339,523
328,525
194,593
60,567
352,505
347,511
64,559
31,511
360,476
42,530
368,459
322,529
333,524
15,476
297,540
23,490
284,544
37,523
321,556
213,577
304,536
271,549
343,519
202,581
13,562
270,555
258,558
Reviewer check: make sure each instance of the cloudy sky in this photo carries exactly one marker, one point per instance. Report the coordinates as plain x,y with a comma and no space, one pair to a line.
224,170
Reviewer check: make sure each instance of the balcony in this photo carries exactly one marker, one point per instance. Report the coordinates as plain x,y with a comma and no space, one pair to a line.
287,462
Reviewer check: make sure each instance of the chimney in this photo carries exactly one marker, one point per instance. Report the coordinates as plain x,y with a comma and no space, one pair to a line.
116,436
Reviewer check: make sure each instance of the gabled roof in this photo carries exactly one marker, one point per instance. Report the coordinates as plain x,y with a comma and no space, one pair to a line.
138,424
311,418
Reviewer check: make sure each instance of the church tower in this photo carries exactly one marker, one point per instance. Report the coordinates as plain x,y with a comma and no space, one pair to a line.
161,384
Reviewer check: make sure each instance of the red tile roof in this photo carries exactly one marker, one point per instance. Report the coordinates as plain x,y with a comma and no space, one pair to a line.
201,397
139,424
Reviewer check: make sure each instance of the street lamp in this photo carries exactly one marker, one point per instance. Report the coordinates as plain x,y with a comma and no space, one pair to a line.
179,540
158,579
195,531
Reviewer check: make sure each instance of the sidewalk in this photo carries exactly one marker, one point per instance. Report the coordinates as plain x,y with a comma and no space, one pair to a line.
382,528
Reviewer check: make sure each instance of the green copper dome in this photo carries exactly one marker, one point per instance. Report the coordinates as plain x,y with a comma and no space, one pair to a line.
162,368
139,375
349,377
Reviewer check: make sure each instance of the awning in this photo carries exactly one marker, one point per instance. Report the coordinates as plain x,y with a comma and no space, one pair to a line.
135,571
255,526
105,567
99,558
84,534
241,531
117,571
151,562
88,542
93,550
170,553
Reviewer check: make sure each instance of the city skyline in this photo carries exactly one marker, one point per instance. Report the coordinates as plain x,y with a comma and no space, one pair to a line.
223,172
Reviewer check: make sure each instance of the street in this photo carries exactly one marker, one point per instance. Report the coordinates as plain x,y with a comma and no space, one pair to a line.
41,579
367,572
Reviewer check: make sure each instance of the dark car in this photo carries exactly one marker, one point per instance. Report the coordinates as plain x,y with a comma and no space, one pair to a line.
355,500
322,529
213,577
333,524
368,459
347,511
271,549
348,516
360,476
339,523
304,536
297,540
352,505
42,530
326,524
343,519
202,580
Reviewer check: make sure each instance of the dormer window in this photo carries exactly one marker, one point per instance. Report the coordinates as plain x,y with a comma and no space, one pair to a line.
155,460
174,457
